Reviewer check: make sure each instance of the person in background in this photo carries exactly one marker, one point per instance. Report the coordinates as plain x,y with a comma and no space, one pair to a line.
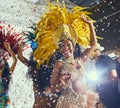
39,83
117,61
5,75
30,64
107,87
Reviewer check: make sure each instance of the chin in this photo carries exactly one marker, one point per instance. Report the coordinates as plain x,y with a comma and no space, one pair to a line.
68,56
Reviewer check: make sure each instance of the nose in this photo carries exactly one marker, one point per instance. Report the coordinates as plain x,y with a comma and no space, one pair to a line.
66,47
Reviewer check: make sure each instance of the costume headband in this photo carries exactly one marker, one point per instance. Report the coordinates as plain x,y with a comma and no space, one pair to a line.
59,23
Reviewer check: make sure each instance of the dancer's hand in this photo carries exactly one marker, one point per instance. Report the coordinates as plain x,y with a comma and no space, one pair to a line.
86,19
7,46
20,47
64,78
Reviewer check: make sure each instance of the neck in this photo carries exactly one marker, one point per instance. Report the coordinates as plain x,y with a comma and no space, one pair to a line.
69,59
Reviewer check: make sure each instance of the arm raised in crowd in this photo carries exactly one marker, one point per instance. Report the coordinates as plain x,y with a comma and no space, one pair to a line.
20,55
8,48
93,41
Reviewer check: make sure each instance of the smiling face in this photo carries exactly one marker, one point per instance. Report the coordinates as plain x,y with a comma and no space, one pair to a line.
67,48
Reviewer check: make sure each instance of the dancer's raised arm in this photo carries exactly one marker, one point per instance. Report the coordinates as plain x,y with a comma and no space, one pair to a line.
8,48
20,55
93,41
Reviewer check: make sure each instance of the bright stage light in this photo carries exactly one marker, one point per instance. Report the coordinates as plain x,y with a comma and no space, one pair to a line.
93,76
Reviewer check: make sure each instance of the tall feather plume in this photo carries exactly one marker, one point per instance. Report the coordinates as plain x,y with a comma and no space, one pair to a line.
30,37
8,34
48,24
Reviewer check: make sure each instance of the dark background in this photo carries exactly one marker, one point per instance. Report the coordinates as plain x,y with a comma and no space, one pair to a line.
107,16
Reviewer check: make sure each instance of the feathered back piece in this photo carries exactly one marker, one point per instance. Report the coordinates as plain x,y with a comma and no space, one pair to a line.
56,22
29,38
8,34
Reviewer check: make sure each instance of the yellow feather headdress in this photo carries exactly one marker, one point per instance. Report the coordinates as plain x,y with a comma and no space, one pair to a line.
57,21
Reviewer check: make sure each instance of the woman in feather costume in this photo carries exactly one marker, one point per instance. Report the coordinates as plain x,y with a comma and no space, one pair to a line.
61,29
9,41
5,75
69,73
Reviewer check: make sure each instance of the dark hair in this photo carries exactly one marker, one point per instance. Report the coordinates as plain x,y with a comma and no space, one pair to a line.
6,76
77,51
31,67
105,64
